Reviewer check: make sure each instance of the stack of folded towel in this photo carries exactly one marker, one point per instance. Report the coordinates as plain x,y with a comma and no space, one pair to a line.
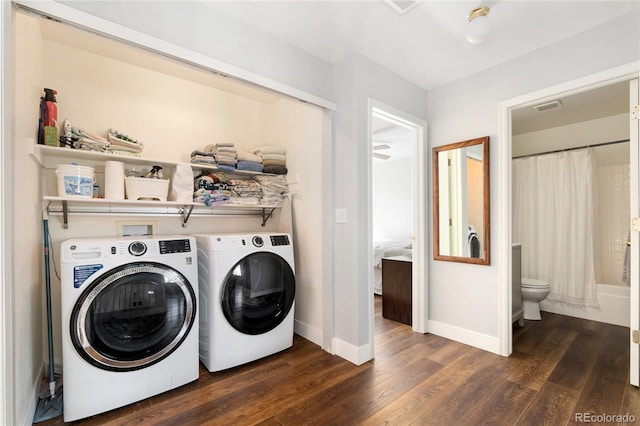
273,159
249,161
273,189
244,192
119,143
211,190
85,140
225,155
203,157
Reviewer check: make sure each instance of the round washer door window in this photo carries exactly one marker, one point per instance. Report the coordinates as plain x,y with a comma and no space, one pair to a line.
258,293
133,316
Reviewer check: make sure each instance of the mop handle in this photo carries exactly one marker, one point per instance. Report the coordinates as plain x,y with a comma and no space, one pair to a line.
47,280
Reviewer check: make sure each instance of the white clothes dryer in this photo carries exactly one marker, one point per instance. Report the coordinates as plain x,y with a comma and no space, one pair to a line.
247,297
129,328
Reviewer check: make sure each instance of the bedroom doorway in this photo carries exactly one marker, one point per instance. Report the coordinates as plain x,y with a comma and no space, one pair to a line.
398,213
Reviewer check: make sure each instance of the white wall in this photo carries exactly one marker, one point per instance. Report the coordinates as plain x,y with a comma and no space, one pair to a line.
202,29
299,127
463,300
357,80
29,349
392,200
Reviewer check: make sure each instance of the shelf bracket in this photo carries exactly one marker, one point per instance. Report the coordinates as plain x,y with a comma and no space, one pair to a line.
266,216
65,214
186,213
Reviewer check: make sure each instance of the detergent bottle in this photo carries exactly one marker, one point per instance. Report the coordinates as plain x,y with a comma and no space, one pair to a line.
50,118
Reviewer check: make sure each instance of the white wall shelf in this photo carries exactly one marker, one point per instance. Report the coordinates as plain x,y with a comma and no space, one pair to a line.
50,157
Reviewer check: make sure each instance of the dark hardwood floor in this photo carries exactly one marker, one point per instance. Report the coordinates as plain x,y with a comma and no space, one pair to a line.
561,367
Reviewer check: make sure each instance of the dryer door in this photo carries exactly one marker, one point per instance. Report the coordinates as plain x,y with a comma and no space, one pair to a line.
258,293
133,316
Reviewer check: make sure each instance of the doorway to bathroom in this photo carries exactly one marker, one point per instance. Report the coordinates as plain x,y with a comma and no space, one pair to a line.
617,148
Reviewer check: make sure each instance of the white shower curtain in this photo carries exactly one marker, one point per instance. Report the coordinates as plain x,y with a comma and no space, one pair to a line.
553,205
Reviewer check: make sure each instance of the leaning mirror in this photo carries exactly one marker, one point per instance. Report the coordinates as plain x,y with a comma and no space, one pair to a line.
461,202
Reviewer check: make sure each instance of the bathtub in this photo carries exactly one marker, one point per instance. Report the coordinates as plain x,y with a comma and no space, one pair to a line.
614,306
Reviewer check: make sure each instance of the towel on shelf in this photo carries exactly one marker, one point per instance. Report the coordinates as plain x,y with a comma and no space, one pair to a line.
276,170
227,161
269,149
250,166
280,157
274,163
248,156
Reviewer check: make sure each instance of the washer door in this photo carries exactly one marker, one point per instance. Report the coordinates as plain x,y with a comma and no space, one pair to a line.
133,316
258,293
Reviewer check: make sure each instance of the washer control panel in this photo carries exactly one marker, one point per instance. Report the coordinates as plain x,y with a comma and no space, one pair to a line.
257,241
175,246
137,248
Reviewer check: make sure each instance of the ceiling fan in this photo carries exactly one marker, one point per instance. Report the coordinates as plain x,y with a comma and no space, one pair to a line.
380,155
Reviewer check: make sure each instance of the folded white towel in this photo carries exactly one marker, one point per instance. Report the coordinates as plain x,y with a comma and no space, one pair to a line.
280,157
248,156
269,149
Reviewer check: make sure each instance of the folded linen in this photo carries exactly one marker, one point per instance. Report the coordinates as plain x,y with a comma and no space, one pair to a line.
269,149
280,157
251,166
248,156
274,163
223,159
276,170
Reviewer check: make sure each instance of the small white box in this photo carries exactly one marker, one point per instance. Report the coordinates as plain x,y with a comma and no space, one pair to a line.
138,188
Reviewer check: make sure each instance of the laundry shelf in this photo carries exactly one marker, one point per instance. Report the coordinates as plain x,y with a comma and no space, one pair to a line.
99,206
51,156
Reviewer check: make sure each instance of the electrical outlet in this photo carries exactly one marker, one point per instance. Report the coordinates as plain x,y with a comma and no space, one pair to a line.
341,215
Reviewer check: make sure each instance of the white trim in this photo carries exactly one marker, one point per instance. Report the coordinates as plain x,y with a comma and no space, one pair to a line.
312,334
634,308
354,354
469,337
420,305
503,212
328,303
7,331
126,35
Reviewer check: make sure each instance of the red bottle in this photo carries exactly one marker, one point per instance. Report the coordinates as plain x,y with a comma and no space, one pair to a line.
51,109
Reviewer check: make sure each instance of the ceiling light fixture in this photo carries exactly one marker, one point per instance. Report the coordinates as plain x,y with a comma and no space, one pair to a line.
479,26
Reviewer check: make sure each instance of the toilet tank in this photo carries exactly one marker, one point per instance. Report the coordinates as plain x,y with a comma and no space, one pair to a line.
516,285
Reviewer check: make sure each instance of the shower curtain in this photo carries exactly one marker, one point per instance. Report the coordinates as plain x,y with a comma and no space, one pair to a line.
553,205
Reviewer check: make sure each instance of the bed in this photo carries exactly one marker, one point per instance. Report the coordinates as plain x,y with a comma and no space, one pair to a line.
386,249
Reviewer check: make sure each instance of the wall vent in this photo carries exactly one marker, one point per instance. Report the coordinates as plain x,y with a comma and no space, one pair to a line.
400,6
548,105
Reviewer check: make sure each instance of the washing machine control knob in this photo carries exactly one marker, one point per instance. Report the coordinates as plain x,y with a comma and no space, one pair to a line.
257,241
137,248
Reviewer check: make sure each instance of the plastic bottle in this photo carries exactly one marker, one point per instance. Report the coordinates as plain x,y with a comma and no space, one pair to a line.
50,118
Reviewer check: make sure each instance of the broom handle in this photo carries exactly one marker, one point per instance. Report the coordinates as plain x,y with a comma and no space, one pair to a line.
47,281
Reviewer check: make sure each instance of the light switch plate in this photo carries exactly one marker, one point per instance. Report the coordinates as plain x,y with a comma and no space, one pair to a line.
341,215
635,224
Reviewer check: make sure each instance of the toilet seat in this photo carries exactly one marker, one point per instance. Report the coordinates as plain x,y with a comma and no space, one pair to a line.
533,284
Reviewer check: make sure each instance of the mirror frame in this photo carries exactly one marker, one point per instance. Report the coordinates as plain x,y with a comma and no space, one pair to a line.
484,259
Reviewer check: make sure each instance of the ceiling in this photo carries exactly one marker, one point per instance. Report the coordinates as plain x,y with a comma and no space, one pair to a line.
426,45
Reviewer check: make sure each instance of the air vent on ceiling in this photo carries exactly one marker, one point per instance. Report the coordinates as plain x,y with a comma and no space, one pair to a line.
548,105
400,6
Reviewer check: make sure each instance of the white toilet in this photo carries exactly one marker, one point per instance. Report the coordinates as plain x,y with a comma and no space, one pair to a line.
533,292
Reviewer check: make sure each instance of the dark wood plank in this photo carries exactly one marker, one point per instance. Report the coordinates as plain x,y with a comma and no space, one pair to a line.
560,366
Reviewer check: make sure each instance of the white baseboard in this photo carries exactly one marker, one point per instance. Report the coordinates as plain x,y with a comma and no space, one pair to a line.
468,337
354,354
310,333
27,420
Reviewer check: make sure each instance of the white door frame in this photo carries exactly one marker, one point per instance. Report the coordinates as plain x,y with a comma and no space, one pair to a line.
7,332
604,78
634,323
420,311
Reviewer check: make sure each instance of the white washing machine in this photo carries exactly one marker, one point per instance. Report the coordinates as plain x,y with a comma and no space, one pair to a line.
247,297
129,326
